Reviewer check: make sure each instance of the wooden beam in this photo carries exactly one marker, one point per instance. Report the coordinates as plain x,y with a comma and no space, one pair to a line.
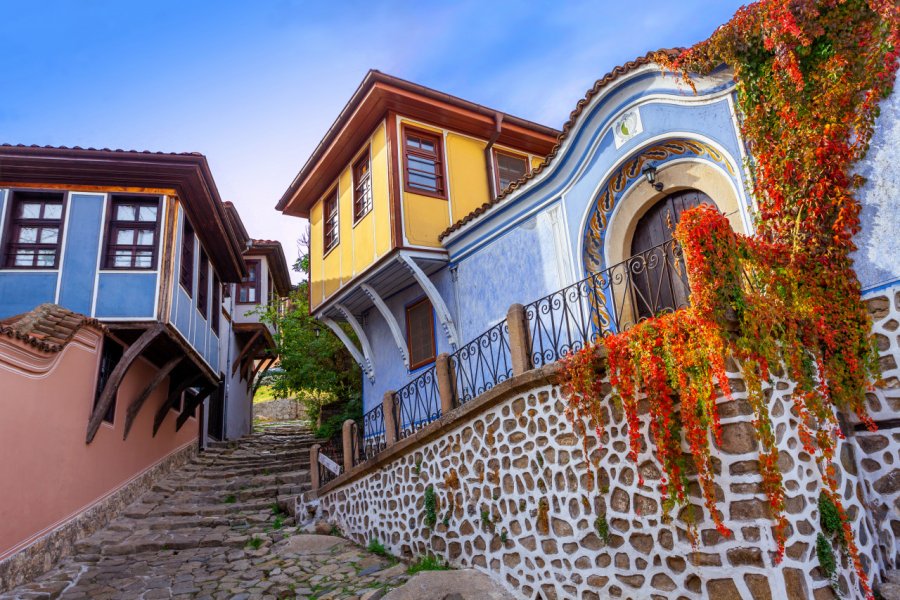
170,400
191,405
135,407
118,374
244,351
268,361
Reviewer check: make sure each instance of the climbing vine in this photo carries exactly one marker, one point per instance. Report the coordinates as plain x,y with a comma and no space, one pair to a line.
809,76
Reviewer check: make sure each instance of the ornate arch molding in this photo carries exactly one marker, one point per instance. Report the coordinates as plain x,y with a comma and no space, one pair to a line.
620,180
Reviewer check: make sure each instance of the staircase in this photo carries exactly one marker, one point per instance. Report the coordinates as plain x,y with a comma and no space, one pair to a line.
235,496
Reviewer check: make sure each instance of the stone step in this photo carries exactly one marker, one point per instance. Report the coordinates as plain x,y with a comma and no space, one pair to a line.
193,484
202,509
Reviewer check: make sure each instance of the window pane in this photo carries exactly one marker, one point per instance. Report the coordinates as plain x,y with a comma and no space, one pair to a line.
420,143
122,258
125,212
24,258
46,258
125,237
32,211
143,260
425,182
422,164
148,213
28,235
145,237
49,235
52,211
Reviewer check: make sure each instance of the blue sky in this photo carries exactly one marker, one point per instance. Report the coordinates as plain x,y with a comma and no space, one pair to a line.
254,85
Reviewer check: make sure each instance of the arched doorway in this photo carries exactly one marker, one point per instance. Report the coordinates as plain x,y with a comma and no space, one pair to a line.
659,280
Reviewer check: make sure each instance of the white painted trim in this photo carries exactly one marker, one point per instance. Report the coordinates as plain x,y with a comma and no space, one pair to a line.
67,207
361,335
351,347
589,153
440,307
390,319
4,208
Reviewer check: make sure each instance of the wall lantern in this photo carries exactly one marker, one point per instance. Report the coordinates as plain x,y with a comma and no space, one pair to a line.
649,172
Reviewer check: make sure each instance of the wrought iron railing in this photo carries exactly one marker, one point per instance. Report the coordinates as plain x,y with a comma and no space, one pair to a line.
333,451
371,438
647,284
481,364
417,404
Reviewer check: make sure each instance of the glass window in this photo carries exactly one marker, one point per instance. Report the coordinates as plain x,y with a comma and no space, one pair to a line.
249,288
132,232
424,172
186,276
331,235
509,168
203,283
420,333
362,187
33,235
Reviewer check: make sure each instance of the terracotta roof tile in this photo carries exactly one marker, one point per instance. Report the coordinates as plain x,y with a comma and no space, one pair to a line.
49,327
567,128
49,147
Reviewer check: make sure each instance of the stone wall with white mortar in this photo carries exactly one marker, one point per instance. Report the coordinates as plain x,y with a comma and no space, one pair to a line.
515,498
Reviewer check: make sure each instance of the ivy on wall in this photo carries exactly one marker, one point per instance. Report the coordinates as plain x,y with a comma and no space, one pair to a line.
809,76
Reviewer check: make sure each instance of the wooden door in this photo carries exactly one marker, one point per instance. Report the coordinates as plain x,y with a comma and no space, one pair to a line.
659,282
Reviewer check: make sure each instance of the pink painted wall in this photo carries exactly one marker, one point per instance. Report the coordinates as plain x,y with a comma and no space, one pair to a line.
47,472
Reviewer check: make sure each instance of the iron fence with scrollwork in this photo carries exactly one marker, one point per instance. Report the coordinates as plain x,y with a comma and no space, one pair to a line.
646,284
481,364
371,438
417,404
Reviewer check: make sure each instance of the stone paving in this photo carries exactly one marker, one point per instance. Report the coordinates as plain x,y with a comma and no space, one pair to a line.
216,529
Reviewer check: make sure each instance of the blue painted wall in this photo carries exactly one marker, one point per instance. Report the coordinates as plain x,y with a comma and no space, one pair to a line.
21,292
390,372
184,314
79,262
126,295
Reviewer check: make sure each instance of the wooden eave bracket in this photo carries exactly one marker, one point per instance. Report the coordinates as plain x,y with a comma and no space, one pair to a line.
118,375
174,393
191,405
437,301
244,352
390,319
135,407
363,358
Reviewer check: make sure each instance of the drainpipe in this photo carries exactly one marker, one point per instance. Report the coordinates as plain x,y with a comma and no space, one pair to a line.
489,159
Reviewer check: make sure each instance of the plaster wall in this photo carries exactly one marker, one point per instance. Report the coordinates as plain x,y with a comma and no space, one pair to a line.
877,260
49,474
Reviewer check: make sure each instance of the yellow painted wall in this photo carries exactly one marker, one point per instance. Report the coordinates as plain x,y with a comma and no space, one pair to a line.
468,175
360,244
536,162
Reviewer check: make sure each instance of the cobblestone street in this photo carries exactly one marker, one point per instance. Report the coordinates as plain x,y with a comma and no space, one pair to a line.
215,530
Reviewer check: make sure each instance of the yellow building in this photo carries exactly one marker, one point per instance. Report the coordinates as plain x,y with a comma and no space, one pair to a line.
401,163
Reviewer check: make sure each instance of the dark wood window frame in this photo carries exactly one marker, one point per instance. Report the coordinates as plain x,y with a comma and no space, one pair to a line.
115,225
215,310
362,186
110,355
331,220
437,156
186,277
246,284
409,334
16,223
203,284
497,154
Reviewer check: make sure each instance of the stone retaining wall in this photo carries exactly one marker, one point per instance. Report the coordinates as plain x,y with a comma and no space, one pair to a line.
40,556
282,409
514,497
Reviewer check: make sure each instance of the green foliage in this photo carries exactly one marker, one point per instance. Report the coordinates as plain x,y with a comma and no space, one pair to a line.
427,563
376,547
278,523
335,531
255,543
430,507
827,562
417,469
486,521
230,499
504,535
602,527
311,356
830,519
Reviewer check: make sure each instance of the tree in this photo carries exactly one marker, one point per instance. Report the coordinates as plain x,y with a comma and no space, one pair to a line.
311,357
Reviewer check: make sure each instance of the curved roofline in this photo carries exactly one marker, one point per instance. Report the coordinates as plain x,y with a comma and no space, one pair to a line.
574,116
